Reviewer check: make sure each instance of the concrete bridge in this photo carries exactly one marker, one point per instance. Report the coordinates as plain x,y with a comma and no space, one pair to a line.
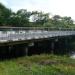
25,38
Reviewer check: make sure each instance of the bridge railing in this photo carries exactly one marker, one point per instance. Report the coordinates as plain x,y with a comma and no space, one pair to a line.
18,33
35,28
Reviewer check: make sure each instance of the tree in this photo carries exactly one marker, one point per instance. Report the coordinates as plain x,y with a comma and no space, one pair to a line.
56,21
23,15
25,18
56,17
20,18
39,18
67,22
4,15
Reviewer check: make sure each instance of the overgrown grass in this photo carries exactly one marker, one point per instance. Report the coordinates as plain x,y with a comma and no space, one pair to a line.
38,65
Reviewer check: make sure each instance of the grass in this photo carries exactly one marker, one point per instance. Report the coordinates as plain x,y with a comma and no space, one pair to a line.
38,65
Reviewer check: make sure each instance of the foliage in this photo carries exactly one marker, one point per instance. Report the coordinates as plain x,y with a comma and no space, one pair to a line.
24,18
38,65
4,15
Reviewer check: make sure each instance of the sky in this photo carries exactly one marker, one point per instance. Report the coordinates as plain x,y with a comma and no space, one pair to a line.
54,7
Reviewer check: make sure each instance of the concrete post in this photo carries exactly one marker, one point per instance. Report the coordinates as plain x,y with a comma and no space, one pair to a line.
10,49
66,45
26,51
52,47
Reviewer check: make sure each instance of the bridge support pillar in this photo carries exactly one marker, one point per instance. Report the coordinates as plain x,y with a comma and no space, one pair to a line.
9,52
52,47
9,48
66,45
26,51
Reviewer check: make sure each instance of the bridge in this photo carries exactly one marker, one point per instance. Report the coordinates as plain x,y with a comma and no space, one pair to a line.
28,36
8,34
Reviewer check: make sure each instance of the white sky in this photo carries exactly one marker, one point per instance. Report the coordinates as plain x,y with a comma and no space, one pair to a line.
60,7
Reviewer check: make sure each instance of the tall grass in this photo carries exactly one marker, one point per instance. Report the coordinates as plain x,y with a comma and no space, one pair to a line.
38,65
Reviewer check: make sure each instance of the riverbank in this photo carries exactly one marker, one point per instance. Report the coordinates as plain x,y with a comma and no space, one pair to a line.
38,65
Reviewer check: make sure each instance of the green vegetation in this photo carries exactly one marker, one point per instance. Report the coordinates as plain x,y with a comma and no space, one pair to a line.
38,65
33,19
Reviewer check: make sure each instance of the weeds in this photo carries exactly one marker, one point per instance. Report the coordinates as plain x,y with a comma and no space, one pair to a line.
38,65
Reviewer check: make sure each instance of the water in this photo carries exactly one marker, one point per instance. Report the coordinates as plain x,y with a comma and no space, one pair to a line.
72,55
